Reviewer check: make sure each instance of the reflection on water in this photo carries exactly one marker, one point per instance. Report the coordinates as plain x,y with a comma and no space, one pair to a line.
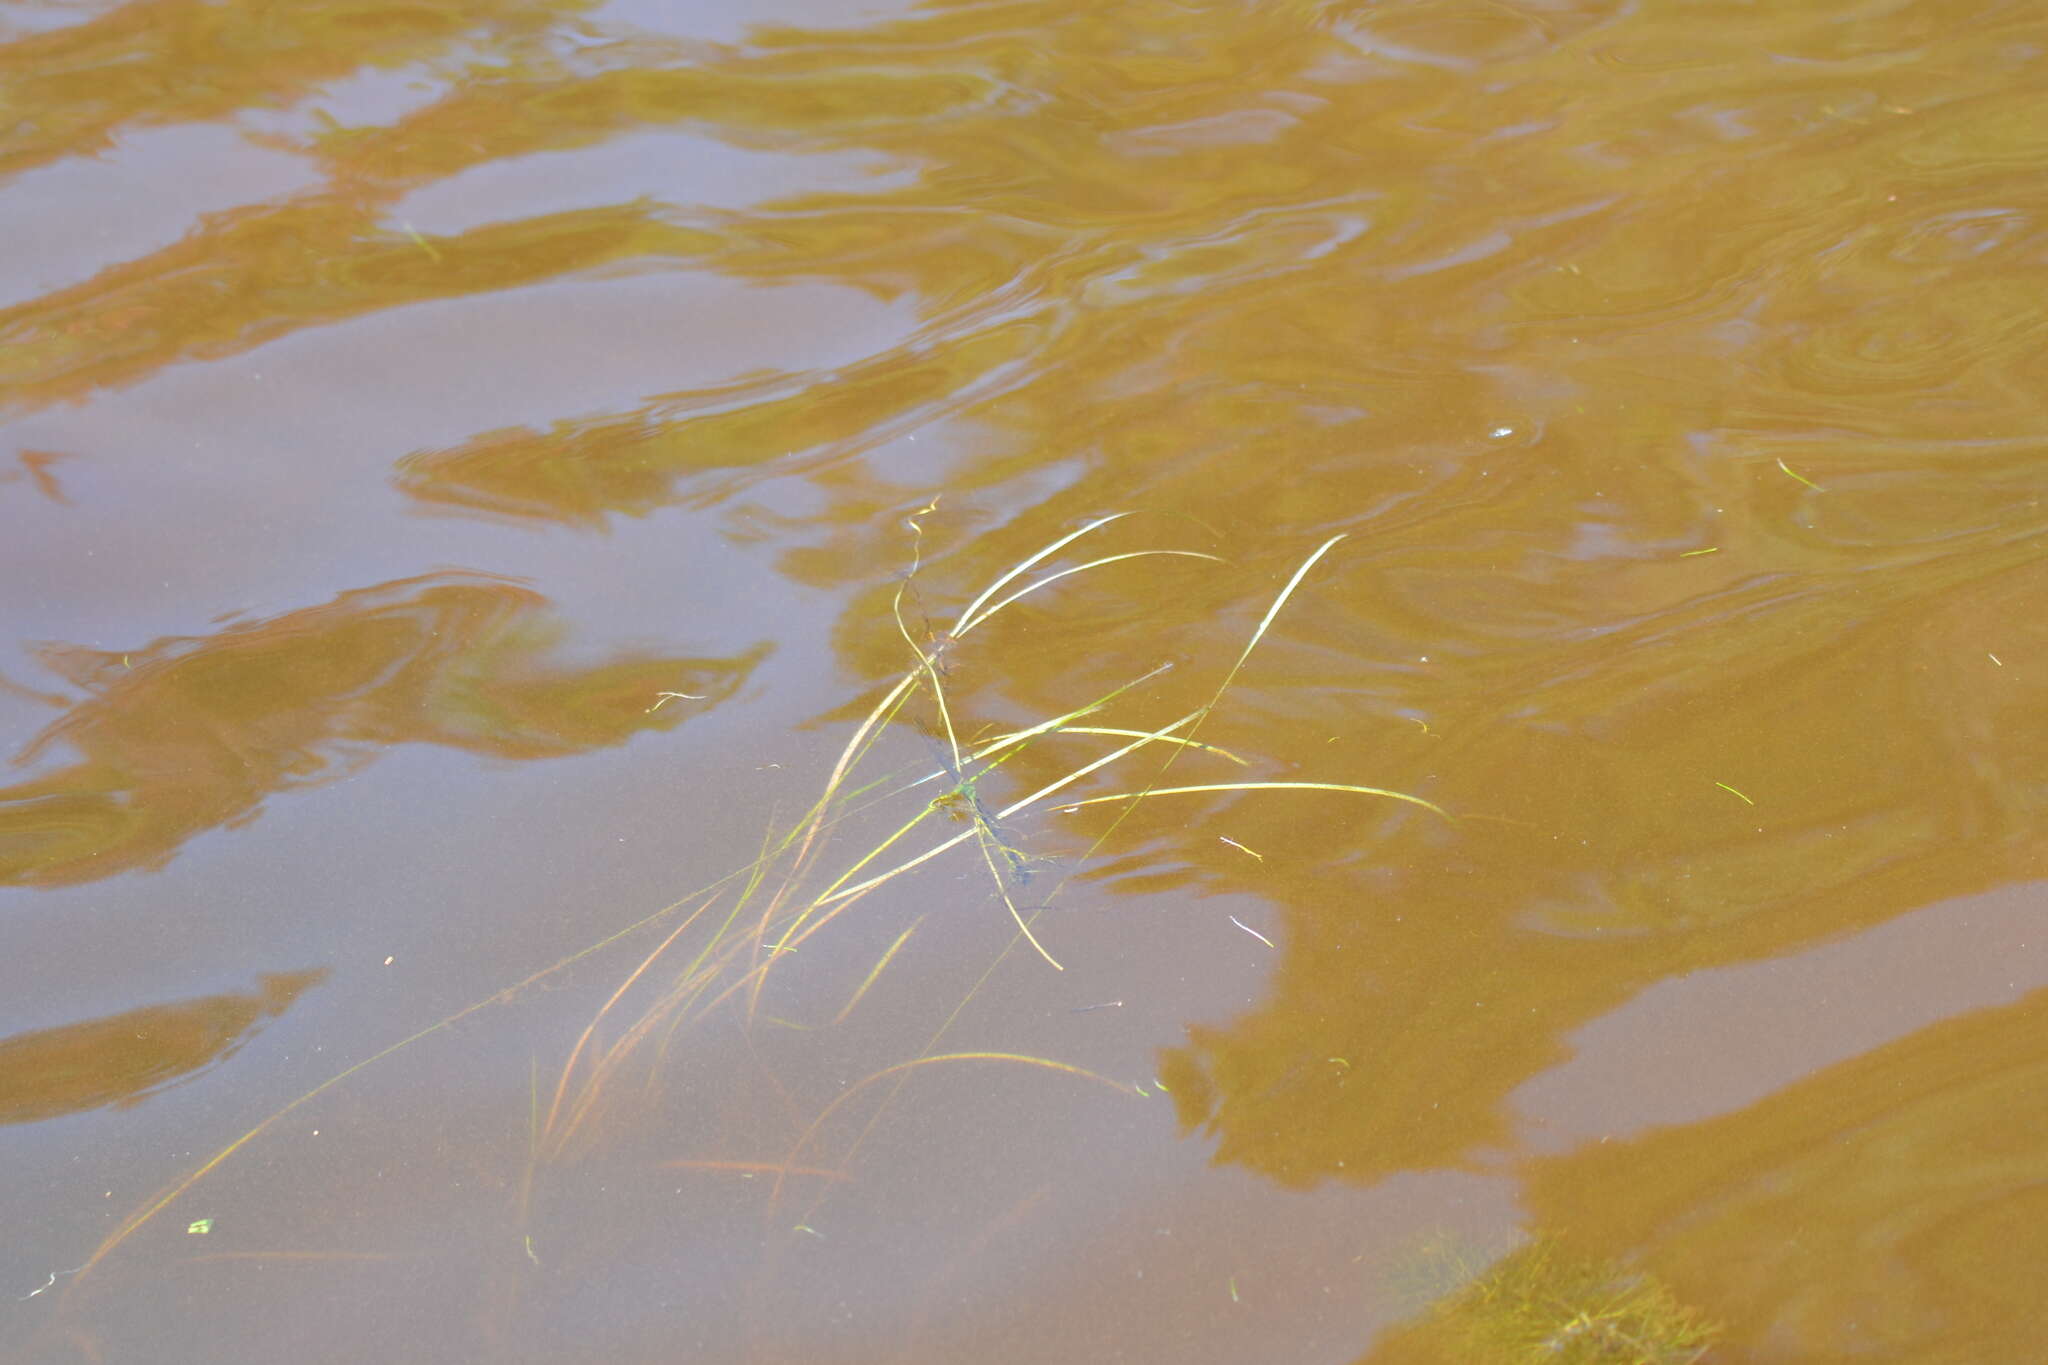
127,1057
1912,1173
185,735
1669,372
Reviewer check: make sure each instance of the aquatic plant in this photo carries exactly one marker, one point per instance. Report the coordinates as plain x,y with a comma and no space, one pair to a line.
728,938
1543,1303
731,966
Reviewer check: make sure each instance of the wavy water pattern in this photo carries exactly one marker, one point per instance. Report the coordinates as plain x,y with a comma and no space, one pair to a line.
517,513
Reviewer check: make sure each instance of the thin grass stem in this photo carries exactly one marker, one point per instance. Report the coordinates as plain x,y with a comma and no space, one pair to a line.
972,615
875,972
1052,578
1430,806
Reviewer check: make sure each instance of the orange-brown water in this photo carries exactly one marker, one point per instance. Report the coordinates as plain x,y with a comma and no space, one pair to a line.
402,402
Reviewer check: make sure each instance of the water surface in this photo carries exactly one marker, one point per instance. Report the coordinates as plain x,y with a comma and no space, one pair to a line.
463,469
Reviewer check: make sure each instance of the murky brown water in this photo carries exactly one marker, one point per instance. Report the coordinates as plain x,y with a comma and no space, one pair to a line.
458,481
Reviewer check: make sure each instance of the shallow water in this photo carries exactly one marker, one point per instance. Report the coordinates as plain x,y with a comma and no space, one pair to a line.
462,475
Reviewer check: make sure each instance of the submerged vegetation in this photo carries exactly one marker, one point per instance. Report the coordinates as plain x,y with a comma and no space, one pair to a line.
1544,1305
724,943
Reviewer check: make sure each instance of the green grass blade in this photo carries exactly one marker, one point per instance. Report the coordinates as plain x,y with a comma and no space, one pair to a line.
974,616
1266,622
1429,806
1052,578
